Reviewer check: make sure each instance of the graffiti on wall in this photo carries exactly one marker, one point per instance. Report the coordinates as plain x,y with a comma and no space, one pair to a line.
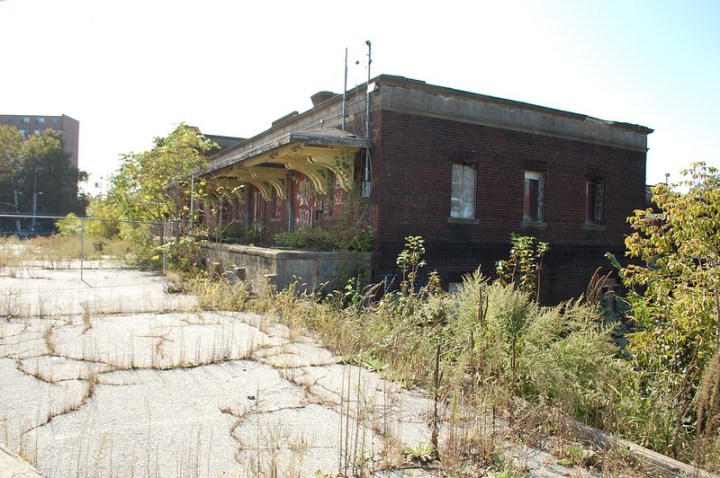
277,205
309,205
338,197
305,201
257,206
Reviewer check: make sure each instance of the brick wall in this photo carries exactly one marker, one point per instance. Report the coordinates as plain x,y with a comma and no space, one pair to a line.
412,166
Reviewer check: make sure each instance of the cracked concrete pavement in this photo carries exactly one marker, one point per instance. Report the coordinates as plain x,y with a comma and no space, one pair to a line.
112,376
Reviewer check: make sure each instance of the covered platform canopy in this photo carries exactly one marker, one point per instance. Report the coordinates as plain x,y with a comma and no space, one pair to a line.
265,162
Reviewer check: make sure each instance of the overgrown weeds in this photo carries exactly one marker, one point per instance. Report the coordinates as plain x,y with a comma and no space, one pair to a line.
52,250
497,349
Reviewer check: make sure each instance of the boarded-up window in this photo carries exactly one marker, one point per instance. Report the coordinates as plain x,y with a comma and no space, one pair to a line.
533,197
595,201
462,200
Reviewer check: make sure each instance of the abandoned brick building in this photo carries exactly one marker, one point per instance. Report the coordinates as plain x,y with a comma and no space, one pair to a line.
460,169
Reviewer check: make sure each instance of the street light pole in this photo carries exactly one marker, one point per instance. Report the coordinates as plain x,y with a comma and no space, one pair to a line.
35,196
17,210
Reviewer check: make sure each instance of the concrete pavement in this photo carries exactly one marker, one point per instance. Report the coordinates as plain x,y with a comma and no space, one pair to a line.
110,376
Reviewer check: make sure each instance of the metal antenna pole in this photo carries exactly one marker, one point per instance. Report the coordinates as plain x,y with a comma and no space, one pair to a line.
367,93
344,107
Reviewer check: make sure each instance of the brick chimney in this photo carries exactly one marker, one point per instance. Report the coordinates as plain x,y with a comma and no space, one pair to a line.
321,96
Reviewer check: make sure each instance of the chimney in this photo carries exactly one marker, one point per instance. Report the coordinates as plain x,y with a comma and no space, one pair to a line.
321,96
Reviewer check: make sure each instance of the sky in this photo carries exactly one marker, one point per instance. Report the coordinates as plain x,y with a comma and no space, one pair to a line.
131,70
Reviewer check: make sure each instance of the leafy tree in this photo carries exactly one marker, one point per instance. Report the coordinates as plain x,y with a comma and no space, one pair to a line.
10,151
47,169
105,227
156,185
37,169
675,295
11,161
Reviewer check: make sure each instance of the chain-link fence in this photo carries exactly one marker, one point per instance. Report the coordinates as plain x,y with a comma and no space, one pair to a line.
84,242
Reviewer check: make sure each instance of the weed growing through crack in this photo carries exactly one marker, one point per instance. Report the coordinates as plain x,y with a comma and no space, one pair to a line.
41,308
27,455
92,382
86,316
13,306
49,340
37,372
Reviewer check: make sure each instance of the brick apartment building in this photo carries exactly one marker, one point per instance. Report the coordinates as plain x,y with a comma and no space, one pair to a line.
69,127
460,169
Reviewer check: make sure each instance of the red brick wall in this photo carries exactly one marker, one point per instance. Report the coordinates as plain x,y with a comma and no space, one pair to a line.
274,215
412,164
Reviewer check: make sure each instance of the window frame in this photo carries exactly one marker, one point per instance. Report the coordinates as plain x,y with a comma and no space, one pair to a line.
463,192
533,196
595,201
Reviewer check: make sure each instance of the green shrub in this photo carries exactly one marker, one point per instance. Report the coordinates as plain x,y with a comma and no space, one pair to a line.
326,239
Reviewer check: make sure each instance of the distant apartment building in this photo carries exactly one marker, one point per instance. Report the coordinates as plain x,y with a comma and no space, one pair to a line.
33,124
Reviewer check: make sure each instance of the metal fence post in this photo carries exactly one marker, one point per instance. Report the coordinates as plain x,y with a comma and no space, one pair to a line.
163,241
82,248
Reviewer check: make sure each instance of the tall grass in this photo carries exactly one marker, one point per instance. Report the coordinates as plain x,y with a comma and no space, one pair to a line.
58,248
498,349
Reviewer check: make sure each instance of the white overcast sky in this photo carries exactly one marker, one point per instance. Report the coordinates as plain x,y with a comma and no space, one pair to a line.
131,70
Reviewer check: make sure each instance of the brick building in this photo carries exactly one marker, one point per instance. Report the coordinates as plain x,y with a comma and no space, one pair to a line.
460,169
69,127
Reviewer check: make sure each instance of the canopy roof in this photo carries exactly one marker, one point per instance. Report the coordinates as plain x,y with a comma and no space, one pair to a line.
265,165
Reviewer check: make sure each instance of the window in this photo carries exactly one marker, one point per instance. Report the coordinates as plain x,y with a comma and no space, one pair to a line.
26,120
37,131
533,199
462,199
594,200
41,121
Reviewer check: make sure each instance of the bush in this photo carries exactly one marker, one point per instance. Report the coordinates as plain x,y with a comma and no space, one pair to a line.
326,239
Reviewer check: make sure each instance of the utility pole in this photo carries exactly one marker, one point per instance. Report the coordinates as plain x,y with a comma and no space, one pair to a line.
367,93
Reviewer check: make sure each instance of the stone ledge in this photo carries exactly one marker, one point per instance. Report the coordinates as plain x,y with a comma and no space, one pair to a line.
661,465
310,270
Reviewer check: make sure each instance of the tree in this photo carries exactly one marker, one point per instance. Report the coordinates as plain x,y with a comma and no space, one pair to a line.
157,184
10,165
37,171
47,169
675,296
11,140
